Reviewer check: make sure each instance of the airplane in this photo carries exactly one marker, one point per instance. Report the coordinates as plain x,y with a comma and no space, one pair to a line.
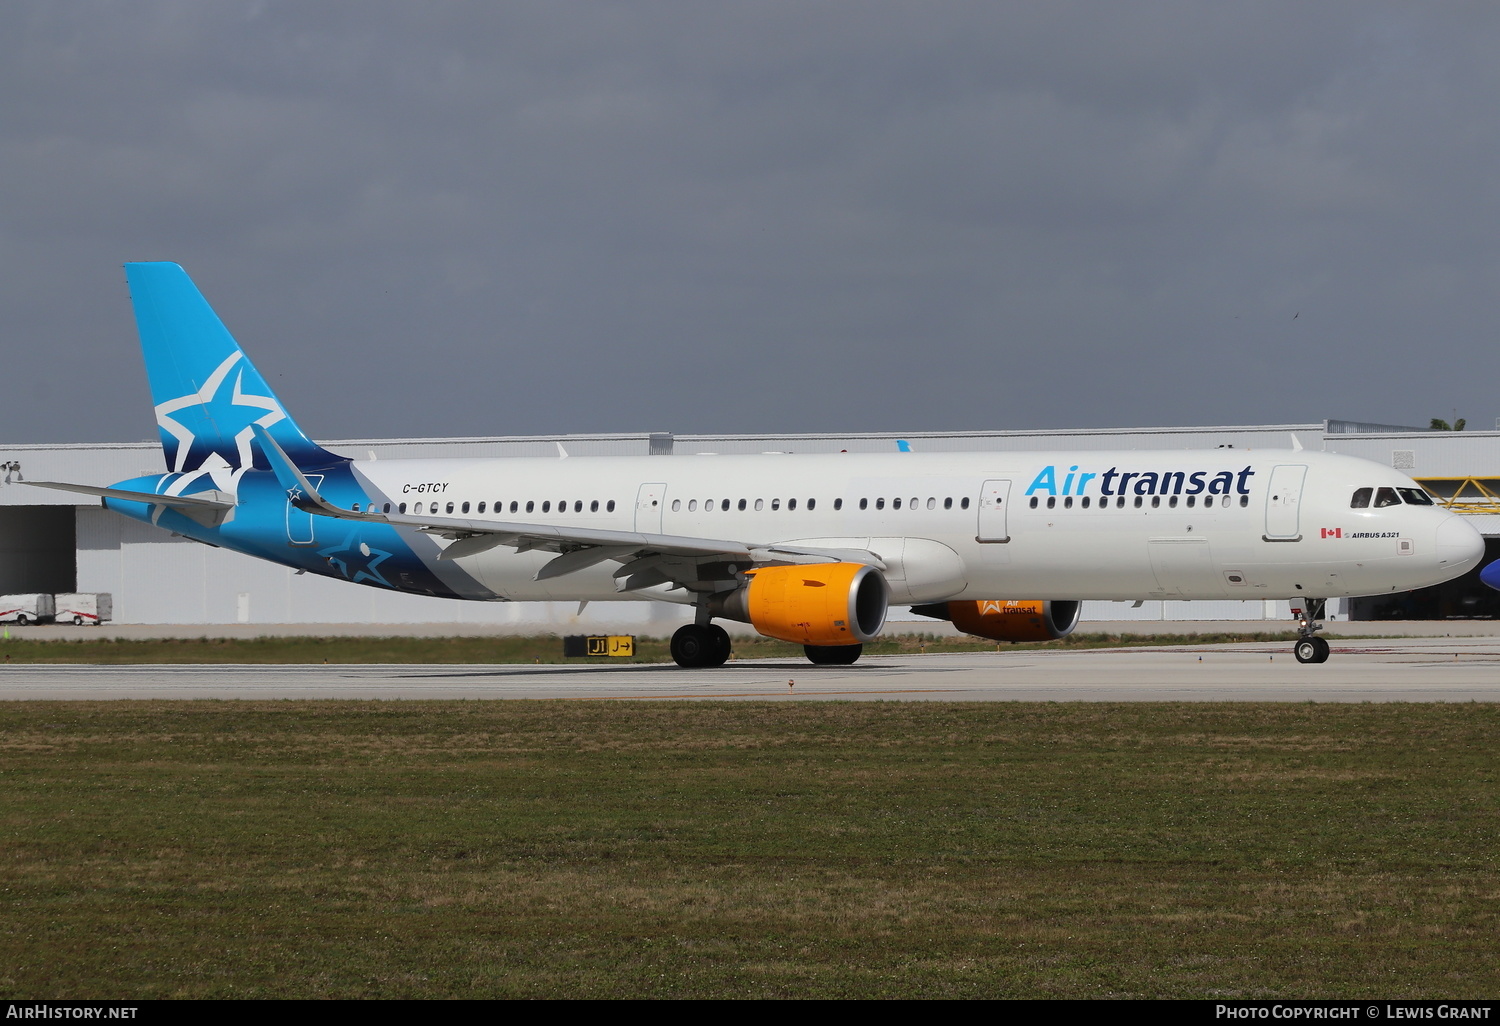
807,548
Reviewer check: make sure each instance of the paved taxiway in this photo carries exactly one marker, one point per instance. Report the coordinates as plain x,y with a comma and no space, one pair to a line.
1385,670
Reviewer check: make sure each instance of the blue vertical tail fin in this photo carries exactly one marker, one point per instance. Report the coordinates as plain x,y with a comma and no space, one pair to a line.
208,395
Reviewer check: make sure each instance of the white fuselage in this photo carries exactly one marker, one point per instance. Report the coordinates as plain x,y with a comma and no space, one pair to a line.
1207,524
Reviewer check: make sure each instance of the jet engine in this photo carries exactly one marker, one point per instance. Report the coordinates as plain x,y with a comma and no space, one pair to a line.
1009,619
814,604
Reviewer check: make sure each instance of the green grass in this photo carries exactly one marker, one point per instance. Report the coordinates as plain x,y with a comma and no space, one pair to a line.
418,849
507,649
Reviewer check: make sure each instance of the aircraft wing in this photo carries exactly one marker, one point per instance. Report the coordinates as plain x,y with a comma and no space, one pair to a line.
647,559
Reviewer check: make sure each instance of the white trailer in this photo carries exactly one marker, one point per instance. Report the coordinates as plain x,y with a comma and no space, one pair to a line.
24,609
83,609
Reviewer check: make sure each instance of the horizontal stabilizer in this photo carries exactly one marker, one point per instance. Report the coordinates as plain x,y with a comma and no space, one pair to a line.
203,500
207,508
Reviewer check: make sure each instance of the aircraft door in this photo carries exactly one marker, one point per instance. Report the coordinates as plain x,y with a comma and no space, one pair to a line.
1283,503
993,502
649,502
299,523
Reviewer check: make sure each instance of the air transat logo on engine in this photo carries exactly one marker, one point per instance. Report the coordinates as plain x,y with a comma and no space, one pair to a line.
1149,482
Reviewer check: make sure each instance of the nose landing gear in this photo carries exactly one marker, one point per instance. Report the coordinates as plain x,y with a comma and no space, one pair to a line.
1309,648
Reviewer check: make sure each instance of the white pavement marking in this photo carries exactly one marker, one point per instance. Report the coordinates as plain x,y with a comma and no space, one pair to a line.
1406,670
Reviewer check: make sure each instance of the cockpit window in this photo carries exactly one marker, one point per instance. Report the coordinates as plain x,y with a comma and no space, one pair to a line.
1386,497
1361,498
1415,497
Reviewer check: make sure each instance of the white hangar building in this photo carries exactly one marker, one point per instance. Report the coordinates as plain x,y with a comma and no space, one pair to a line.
57,542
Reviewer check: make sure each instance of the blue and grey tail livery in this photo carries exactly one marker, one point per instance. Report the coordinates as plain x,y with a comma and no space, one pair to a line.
207,393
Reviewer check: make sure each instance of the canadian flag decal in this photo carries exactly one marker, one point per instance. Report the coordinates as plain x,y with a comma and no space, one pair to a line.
1333,532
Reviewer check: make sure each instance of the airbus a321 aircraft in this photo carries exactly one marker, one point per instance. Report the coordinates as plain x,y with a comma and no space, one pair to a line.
810,549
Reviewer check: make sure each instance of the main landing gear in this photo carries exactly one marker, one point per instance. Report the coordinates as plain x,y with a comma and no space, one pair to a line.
700,645
832,655
705,645
1309,648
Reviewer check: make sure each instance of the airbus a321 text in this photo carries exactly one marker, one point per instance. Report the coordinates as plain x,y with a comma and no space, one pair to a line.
811,549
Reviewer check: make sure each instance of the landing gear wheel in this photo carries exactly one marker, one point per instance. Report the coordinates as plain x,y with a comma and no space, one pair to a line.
833,655
694,646
1311,650
722,645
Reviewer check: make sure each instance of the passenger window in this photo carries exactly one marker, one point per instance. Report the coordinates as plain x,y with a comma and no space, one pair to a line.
1068,502
948,502
464,508
913,502
1033,502
1192,500
530,505
594,506
895,504
450,507
812,504
838,504
1085,502
480,509
1244,500
547,506
1051,502
577,505
864,503
880,503
724,506
775,504
931,503
676,505
791,504
692,505
610,508
1138,502
513,505
1172,502
1415,497
1386,497
401,508
708,505
965,503
760,504
387,508
742,504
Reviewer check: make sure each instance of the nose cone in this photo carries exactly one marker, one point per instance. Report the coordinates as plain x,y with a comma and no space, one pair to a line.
1459,546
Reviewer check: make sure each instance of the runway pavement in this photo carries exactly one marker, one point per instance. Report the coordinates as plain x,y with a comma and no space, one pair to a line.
1404,670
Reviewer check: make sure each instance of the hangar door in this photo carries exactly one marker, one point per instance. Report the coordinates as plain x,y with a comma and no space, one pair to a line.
38,549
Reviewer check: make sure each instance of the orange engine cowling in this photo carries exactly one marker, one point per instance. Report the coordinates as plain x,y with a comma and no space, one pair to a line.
1009,619
817,604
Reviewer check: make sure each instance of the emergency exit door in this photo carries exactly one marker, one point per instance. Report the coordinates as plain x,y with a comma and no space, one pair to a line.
994,500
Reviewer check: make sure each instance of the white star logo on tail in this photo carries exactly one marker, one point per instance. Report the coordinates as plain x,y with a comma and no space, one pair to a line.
225,413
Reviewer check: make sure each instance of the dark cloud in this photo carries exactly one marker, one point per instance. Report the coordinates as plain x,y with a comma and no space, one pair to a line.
466,219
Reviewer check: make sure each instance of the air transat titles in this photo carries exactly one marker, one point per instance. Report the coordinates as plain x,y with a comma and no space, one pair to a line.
1149,482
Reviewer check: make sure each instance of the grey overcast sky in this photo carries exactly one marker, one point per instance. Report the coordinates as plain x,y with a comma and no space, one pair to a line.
506,218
